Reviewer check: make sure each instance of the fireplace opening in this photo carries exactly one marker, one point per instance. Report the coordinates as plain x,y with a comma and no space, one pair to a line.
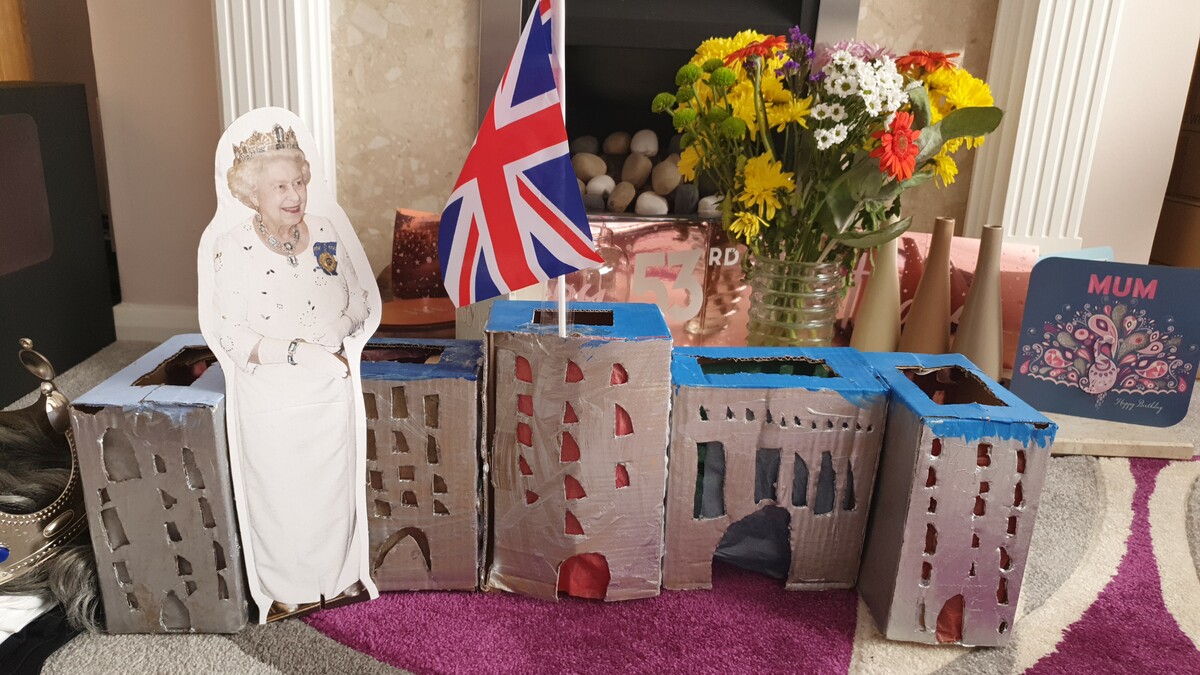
620,53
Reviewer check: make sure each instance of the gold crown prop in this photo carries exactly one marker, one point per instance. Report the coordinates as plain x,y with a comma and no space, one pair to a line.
28,540
258,143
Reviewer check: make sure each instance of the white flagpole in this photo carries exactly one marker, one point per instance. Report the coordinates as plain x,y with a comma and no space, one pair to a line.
558,24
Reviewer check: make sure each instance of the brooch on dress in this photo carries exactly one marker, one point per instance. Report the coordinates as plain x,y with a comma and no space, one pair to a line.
326,254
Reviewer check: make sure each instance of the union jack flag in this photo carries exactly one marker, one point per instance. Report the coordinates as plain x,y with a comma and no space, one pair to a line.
516,216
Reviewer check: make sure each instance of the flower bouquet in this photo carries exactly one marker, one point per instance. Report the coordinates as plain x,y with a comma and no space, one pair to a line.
811,149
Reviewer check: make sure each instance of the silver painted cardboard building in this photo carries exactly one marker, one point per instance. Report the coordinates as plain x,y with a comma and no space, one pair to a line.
155,472
963,465
772,463
423,402
578,449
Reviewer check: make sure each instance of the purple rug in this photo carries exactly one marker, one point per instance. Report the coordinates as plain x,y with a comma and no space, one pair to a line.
747,623
1128,624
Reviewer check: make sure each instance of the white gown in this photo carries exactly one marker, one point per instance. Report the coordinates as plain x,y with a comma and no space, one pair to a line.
296,427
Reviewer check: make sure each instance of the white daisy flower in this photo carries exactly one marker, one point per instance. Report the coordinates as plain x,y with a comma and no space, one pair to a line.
841,86
823,138
873,104
838,133
842,58
836,111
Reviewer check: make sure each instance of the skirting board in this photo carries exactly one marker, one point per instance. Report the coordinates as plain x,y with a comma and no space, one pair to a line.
138,321
1084,436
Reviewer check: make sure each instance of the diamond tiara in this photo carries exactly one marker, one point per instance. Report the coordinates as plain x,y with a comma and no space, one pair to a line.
260,143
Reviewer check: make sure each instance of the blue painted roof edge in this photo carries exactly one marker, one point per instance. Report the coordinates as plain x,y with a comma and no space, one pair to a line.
460,360
631,320
853,371
970,421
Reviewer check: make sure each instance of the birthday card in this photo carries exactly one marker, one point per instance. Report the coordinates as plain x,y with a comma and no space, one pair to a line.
1109,341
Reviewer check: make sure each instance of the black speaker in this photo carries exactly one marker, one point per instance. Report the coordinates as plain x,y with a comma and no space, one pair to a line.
54,281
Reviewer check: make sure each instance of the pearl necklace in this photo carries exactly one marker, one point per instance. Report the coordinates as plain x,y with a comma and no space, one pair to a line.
287,247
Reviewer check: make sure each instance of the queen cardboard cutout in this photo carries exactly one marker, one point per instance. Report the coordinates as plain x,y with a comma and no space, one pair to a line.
287,303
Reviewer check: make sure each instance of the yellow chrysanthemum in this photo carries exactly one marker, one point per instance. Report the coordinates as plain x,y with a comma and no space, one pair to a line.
968,91
741,101
772,89
747,226
779,116
764,178
952,89
719,48
944,168
689,159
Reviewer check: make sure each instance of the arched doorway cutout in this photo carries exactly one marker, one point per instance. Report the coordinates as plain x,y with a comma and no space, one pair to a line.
584,575
950,620
761,542
390,543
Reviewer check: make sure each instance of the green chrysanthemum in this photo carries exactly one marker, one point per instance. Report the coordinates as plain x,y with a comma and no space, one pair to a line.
733,128
688,75
685,93
712,64
684,117
716,115
662,103
722,77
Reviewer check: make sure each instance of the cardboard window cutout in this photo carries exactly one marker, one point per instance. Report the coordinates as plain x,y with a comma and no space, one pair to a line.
287,302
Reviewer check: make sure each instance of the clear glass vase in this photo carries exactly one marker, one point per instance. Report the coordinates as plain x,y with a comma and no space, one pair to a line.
793,304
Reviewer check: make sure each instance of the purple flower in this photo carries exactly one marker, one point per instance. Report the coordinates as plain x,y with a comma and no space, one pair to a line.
794,34
791,66
816,76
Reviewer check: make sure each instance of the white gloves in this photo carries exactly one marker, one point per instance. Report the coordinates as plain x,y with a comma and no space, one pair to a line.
319,360
310,356
337,332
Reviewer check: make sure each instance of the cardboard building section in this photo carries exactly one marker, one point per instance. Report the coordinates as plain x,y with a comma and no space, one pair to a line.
578,449
423,400
955,503
796,429
154,467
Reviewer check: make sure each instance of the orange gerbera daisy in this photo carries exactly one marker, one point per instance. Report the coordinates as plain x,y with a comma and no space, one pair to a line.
897,151
765,48
927,60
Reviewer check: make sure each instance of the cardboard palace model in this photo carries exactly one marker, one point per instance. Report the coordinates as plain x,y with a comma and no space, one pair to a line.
423,400
578,449
773,455
155,473
955,502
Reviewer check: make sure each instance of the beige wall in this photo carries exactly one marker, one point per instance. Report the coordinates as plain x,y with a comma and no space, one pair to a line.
53,24
964,27
157,84
405,81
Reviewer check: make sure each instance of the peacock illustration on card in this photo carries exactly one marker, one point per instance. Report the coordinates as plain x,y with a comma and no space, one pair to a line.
1110,347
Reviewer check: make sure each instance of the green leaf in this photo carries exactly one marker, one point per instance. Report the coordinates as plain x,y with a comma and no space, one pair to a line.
967,122
962,123
919,97
875,237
